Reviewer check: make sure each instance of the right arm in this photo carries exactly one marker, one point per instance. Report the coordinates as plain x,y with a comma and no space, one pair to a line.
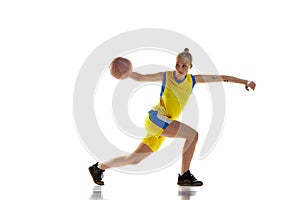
147,77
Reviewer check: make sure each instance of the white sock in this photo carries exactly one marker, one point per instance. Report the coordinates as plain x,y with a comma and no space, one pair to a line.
99,165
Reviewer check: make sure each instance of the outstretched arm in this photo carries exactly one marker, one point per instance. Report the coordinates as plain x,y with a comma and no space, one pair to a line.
147,77
219,78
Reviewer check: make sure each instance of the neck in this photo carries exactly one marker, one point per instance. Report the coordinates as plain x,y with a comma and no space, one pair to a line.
179,77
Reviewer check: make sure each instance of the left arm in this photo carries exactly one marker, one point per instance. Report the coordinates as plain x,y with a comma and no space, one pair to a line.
224,78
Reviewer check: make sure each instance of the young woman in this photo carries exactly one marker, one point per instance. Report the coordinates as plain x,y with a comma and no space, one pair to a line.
161,121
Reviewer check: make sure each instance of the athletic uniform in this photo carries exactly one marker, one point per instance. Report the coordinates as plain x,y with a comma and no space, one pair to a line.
173,98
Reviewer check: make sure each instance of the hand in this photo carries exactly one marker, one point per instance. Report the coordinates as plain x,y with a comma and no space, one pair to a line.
250,84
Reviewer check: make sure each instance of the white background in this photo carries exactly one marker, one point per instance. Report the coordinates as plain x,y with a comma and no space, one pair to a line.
43,45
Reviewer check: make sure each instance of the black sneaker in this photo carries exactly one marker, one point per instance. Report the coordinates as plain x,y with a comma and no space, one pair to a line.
97,174
188,179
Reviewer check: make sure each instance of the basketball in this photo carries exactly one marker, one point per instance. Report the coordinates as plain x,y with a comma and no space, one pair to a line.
120,68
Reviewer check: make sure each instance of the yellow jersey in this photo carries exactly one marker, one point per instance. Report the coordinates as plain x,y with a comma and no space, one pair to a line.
174,94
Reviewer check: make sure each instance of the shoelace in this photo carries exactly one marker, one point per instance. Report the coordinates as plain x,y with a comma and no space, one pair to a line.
192,177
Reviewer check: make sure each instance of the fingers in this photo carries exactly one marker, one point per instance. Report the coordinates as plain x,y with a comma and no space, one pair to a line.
247,88
254,85
251,84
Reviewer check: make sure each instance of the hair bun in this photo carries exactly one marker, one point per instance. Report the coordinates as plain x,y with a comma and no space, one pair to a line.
186,55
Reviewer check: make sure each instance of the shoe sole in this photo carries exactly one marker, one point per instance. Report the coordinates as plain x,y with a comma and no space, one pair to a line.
188,184
99,183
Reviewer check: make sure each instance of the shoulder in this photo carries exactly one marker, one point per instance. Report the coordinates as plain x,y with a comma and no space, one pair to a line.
168,72
192,79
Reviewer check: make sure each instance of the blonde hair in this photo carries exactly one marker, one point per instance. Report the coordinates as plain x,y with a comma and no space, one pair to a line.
186,55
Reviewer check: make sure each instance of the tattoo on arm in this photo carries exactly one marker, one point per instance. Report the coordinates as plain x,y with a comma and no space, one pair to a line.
225,78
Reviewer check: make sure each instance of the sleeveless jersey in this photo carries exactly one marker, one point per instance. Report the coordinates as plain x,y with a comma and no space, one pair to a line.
174,94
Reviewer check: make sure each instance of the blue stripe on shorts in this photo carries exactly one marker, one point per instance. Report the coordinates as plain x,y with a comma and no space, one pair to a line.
159,120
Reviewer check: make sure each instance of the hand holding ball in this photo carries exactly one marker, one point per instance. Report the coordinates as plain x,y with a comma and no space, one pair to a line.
120,68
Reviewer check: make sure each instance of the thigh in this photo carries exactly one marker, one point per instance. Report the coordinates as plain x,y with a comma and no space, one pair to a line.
153,138
143,150
154,142
179,130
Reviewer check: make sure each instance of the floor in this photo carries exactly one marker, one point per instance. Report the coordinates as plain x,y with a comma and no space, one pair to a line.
182,193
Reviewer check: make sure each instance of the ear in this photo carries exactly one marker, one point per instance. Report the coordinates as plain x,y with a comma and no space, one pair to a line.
191,65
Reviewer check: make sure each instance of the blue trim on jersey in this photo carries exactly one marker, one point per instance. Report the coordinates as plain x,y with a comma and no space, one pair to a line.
194,80
163,84
156,120
178,81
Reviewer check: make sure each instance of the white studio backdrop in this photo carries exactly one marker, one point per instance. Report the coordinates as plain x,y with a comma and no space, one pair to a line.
44,44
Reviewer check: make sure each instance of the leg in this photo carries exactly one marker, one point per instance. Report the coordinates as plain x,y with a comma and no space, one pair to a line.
137,156
179,130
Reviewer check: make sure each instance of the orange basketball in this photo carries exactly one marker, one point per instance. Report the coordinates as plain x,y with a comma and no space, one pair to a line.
120,68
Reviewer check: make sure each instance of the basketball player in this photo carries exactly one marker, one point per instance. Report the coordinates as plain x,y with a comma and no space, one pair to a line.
161,121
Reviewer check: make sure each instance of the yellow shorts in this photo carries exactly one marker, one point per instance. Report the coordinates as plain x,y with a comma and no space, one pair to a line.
155,124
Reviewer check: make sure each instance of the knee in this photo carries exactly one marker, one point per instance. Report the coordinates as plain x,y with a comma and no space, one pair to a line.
196,135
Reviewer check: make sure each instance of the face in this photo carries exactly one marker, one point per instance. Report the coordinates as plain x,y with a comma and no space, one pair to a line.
182,66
